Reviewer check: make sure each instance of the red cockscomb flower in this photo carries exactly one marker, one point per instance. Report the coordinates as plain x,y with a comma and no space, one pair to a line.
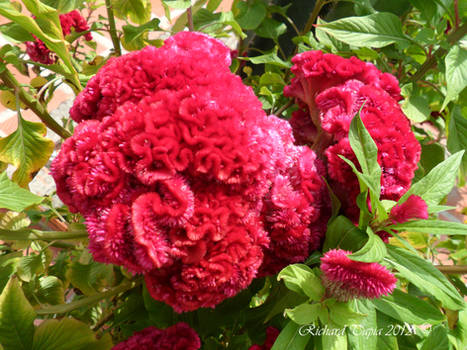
37,50
178,337
413,208
271,336
346,279
330,91
182,177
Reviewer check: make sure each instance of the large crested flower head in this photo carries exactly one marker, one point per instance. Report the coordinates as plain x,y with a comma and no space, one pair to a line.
185,57
346,279
331,90
184,179
177,337
37,50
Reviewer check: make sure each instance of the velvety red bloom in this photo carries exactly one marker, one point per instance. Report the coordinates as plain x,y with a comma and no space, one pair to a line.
413,208
271,336
185,57
346,279
330,91
37,50
178,337
188,180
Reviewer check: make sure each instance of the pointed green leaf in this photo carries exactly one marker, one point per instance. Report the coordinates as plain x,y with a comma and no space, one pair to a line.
16,318
134,37
66,334
304,313
374,250
343,234
46,26
51,290
271,29
376,30
408,308
438,183
343,315
432,226
358,335
334,341
290,338
457,134
138,11
437,339
15,198
26,149
251,14
301,279
425,276
456,73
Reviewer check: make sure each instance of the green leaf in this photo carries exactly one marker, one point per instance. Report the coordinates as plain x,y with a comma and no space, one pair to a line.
343,315
270,58
270,78
89,277
432,155
456,73
63,6
457,134
426,277
16,318
51,290
134,38
376,30
26,149
46,26
301,279
374,250
271,29
16,32
459,334
251,14
28,266
177,4
408,308
366,151
15,198
432,226
343,234
138,11
438,183
334,341
416,107
290,338
427,8
358,339
304,313
213,5
7,267
437,339
67,334
386,324
328,40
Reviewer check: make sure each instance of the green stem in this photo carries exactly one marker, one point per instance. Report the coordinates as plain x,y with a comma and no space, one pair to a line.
93,299
113,28
31,234
30,101
432,61
314,14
